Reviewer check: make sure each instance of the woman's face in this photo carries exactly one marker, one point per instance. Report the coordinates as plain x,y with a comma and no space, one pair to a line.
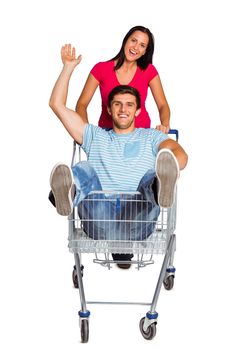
136,45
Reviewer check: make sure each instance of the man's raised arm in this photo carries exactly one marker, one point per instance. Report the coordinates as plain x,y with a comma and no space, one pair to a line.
69,118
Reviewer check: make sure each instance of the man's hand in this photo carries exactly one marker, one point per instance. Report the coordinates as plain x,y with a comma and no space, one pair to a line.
68,56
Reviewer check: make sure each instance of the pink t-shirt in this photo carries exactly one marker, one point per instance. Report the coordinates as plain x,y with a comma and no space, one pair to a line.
106,76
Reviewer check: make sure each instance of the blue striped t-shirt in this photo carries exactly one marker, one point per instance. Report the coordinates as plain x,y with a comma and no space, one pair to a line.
121,160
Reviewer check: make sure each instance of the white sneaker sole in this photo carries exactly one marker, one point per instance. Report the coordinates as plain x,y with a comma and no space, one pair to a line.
167,170
61,181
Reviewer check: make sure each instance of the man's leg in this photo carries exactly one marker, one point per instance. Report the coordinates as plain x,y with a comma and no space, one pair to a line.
159,186
70,187
122,257
149,210
141,216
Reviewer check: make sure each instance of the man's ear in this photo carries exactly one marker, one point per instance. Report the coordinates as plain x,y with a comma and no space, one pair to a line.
138,111
109,111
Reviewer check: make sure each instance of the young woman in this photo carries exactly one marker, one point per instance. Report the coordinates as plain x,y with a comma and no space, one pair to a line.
131,66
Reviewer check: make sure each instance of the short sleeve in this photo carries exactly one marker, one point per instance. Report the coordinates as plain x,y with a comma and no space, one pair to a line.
151,72
88,136
97,71
156,138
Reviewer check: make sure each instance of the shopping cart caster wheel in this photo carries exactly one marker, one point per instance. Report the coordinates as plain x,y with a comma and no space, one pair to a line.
169,282
150,332
75,277
84,330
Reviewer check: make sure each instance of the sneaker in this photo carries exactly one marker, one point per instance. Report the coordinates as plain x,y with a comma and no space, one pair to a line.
124,258
167,170
61,182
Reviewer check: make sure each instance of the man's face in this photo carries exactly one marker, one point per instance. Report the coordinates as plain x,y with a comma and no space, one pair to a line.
123,111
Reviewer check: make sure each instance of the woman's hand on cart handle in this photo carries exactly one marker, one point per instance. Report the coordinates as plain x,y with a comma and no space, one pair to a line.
163,128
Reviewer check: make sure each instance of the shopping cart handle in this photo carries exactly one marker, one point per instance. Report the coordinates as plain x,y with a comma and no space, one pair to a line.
174,132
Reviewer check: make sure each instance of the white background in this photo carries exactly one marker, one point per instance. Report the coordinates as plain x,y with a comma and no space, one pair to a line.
193,54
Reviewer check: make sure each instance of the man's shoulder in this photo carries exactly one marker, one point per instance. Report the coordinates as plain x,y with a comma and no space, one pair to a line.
93,133
97,130
148,133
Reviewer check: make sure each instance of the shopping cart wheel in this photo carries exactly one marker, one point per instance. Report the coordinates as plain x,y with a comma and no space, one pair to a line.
169,282
84,330
150,332
75,277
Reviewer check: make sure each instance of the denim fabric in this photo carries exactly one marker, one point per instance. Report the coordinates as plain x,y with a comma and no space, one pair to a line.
86,181
114,216
147,188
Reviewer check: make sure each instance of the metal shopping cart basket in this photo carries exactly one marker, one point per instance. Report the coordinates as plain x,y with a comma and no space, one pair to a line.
131,230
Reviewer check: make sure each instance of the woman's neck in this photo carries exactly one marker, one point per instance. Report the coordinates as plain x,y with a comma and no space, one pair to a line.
127,65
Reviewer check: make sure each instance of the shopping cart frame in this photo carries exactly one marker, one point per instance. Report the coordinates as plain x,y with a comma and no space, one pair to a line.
167,273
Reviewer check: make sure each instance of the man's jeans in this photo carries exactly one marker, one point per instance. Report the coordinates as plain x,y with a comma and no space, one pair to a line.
114,216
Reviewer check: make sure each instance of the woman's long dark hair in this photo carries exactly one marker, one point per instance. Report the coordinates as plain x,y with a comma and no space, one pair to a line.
143,61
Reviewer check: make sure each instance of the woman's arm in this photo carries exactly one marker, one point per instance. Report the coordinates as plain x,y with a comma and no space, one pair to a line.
161,102
86,96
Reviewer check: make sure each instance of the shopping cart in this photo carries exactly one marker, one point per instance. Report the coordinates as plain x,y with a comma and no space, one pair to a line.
132,230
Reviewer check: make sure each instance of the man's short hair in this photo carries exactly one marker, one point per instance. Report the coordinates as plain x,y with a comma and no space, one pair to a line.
124,89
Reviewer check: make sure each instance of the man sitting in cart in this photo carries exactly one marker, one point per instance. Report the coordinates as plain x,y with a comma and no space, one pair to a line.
124,158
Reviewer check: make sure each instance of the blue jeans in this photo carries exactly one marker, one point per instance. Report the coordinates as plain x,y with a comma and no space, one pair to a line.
114,216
